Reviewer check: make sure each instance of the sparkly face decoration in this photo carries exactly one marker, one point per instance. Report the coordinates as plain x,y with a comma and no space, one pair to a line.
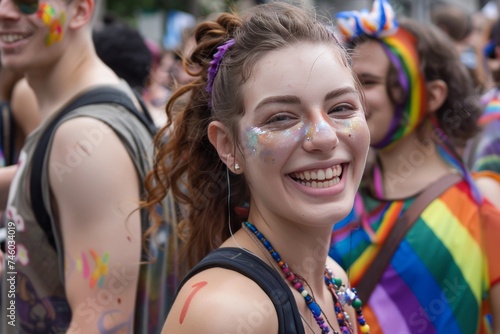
304,135
54,21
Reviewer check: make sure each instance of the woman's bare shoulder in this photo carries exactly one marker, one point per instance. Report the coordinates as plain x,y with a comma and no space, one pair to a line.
221,301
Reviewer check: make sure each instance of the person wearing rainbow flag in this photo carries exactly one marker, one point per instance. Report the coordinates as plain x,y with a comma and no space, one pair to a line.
416,246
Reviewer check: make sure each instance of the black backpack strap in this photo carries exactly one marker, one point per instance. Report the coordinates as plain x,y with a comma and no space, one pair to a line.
266,277
7,127
146,114
100,95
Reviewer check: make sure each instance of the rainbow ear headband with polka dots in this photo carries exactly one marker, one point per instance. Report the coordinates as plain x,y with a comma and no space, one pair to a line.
400,45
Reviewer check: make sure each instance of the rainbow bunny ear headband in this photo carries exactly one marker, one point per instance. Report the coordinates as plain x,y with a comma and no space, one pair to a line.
380,22
400,46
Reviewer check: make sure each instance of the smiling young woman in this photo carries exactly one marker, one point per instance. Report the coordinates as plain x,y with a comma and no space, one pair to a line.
289,144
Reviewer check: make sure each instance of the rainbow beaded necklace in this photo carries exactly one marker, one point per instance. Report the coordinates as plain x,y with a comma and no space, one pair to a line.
341,294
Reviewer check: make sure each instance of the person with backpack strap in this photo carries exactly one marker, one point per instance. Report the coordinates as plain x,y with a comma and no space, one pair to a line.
421,246
80,263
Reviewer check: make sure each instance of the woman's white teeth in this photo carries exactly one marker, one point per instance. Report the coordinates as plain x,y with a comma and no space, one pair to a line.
320,178
329,173
10,38
323,184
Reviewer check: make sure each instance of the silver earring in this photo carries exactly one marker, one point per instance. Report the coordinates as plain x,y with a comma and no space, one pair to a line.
308,138
237,167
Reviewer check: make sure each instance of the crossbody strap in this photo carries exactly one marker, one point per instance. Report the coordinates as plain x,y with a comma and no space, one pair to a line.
7,133
374,272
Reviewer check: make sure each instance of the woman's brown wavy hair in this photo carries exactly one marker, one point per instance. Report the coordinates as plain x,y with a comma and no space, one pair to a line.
186,164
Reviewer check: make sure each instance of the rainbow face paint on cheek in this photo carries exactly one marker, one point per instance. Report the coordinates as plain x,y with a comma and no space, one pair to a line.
48,15
268,145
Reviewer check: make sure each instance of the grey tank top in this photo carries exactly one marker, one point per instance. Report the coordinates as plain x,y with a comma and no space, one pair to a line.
41,305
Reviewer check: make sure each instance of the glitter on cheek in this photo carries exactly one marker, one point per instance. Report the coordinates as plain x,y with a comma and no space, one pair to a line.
268,146
251,140
355,126
347,127
267,156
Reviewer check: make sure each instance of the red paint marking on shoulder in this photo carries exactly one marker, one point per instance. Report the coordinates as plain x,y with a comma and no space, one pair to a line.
185,308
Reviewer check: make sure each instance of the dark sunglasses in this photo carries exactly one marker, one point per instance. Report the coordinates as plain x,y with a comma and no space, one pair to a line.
27,7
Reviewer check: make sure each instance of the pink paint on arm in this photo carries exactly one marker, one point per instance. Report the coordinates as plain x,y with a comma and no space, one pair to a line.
86,268
185,308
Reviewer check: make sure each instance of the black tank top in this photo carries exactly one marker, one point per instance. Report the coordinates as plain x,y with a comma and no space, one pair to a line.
266,277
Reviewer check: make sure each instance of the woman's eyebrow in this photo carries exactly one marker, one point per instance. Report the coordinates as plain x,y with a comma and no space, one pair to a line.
283,99
340,92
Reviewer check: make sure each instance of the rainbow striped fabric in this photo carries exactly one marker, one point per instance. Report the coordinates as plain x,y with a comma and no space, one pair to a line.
484,153
491,102
401,50
440,275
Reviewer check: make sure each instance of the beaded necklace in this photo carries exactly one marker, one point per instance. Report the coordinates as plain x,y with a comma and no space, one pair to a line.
340,293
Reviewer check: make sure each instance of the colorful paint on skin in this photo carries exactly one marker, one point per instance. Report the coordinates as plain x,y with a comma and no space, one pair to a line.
310,132
82,266
320,126
352,126
185,308
99,274
69,266
267,156
48,15
96,277
258,140
108,317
